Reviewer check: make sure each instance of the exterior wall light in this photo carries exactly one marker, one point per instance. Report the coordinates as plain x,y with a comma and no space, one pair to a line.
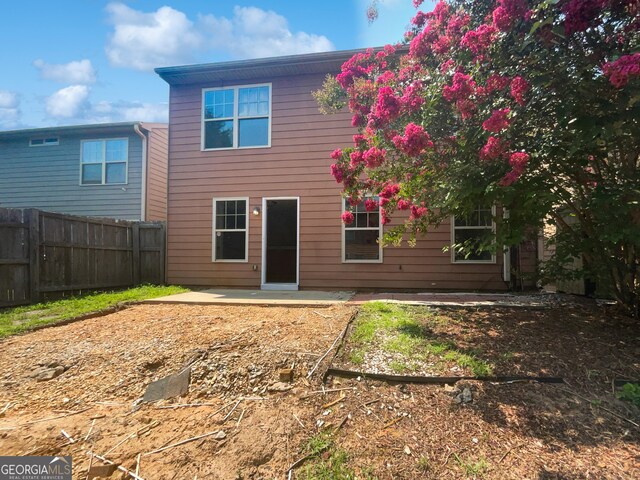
256,211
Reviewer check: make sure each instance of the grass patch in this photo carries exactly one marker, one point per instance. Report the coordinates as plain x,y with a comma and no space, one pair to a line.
407,332
473,468
630,393
21,319
329,462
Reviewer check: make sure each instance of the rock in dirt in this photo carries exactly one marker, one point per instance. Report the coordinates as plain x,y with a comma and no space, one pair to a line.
279,387
220,435
465,396
286,375
171,386
101,471
48,372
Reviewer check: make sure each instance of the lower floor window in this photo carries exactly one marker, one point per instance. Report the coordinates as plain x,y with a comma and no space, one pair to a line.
361,237
230,229
469,233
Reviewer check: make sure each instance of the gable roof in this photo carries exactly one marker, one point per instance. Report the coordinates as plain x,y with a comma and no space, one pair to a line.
324,62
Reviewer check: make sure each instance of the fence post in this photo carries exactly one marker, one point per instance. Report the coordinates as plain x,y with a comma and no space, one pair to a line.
34,255
163,252
135,233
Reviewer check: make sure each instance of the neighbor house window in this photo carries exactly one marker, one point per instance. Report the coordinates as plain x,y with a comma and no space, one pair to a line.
361,237
42,142
236,117
473,230
230,230
104,162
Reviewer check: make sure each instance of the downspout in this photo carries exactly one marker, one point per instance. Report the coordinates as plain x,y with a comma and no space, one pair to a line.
143,206
506,256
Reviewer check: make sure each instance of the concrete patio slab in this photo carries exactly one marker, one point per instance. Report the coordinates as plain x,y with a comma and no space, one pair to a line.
300,298
458,299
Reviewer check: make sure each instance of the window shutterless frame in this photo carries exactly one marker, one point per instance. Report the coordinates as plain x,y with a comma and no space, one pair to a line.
104,162
235,117
472,227
343,239
245,230
44,141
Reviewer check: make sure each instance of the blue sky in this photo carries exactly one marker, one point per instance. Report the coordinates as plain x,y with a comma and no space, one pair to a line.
91,61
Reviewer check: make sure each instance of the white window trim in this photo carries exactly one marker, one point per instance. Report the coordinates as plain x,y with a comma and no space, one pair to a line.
235,119
214,230
104,162
343,240
493,259
44,144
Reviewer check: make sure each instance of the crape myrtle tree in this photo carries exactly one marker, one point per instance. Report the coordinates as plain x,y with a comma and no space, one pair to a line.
527,105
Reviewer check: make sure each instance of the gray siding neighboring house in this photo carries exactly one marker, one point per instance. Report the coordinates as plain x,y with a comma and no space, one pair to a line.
43,168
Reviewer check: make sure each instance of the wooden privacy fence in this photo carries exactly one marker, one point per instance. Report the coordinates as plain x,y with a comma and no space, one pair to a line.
46,255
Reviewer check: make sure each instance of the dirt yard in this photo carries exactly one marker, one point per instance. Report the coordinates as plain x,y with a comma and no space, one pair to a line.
380,431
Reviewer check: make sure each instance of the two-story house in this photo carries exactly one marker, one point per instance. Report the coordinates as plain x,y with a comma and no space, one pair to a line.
251,202
116,170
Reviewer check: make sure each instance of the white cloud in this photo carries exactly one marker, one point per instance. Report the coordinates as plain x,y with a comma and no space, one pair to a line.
253,33
9,109
79,72
123,111
146,40
167,36
68,102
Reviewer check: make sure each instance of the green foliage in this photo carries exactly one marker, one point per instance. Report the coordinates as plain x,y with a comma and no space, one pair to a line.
331,98
631,393
329,462
405,332
21,319
473,468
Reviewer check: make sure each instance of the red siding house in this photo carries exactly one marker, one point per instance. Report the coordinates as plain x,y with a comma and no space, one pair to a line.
251,202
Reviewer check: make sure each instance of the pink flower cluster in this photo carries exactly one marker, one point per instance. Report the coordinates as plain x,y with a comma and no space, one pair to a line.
494,149
388,105
337,173
389,191
403,204
371,205
621,70
347,217
411,97
418,211
414,141
518,162
580,14
462,88
480,39
519,87
508,12
498,121
374,157
360,65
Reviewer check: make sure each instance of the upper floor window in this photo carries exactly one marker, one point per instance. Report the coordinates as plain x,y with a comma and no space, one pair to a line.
104,162
362,236
236,117
41,142
472,231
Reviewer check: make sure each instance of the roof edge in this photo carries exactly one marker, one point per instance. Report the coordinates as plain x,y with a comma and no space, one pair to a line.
71,128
